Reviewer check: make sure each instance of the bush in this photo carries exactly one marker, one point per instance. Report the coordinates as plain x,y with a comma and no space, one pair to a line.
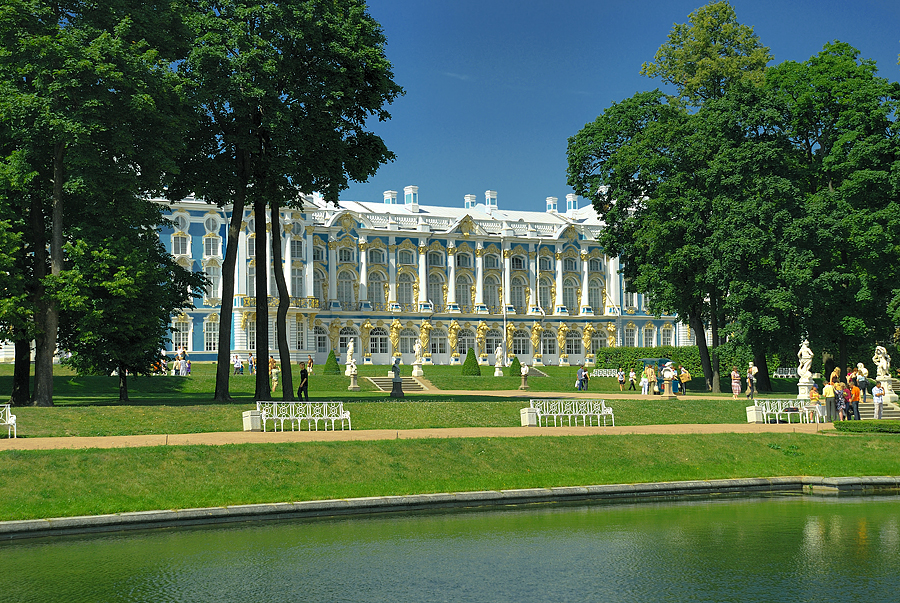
515,368
470,367
879,426
331,365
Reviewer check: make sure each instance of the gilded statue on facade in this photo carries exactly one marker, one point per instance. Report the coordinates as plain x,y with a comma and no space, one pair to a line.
480,334
587,337
396,327
561,333
536,330
611,335
334,332
453,335
425,333
510,331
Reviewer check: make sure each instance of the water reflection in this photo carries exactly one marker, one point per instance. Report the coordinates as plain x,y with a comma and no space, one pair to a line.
772,549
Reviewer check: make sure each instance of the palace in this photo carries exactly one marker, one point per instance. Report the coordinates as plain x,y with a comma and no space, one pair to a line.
387,274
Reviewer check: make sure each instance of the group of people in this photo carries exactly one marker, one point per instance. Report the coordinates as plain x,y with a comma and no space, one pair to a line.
842,397
752,371
306,369
181,366
649,380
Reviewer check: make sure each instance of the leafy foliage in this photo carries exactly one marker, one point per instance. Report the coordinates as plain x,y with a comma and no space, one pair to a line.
470,366
515,368
875,426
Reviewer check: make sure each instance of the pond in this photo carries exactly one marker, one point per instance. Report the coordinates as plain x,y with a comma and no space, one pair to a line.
790,548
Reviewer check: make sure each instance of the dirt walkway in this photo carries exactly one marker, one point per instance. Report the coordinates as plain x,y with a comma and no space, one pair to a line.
242,437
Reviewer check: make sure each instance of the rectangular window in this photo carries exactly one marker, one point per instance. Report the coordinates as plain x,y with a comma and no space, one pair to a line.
251,334
296,249
648,338
251,247
211,336
630,336
181,335
179,245
666,336
211,246
318,254
322,343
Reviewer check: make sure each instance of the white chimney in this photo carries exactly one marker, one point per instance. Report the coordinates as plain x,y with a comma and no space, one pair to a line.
390,197
411,198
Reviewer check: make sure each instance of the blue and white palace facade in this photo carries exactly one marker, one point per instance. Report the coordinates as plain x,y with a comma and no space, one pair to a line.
385,275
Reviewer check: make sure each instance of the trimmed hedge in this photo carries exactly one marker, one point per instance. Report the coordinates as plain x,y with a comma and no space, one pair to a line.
879,426
470,367
331,365
515,368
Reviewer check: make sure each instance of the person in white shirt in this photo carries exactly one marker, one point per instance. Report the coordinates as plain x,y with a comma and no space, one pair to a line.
878,399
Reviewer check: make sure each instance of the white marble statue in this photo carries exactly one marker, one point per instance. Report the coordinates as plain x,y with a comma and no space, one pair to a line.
418,352
668,372
498,356
805,355
882,363
524,370
351,361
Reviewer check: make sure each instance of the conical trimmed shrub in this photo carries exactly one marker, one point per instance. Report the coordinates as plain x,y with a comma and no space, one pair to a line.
331,365
515,368
470,366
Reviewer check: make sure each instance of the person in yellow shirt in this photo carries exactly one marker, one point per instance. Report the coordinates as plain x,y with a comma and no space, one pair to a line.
814,399
828,394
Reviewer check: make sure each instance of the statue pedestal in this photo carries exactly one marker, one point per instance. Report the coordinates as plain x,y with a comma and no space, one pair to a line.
354,386
417,370
498,371
667,390
888,384
348,371
804,386
536,361
524,382
397,388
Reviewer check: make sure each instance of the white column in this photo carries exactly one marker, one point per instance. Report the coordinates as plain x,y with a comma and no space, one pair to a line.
363,275
308,261
423,273
506,269
479,273
558,302
392,269
332,272
451,284
532,280
585,308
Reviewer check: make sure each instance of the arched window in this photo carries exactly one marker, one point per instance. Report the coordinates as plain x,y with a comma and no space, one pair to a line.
630,336
463,260
408,341
379,341
375,289
376,256
435,289
570,265
405,288
322,345
665,335
517,293
491,291
573,342
548,342
521,343
463,290
345,255
595,265
345,281
598,340
544,264
544,294
517,262
595,296
181,335
465,341
492,339
211,336
181,223
318,287
347,335
211,223
438,341
435,258
405,257
297,282
649,332
491,261
318,253
214,274
570,294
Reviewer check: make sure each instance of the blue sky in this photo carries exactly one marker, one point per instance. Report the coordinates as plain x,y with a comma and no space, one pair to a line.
494,88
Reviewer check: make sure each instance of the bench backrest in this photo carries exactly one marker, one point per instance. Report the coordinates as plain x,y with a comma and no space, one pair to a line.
5,414
575,406
605,372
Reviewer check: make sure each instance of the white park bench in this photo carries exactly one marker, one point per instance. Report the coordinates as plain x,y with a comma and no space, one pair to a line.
572,409
598,372
296,412
785,373
7,419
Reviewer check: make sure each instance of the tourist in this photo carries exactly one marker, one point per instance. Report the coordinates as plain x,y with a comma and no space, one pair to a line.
836,375
653,380
828,394
862,380
251,364
814,401
735,383
632,378
188,364
273,373
303,390
238,365
620,377
309,365
840,400
581,378
645,380
751,380
271,363
878,399
854,402
683,377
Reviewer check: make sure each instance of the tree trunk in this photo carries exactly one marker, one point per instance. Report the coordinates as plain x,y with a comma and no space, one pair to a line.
123,384
47,308
763,382
700,334
284,302
226,311
714,353
262,302
21,389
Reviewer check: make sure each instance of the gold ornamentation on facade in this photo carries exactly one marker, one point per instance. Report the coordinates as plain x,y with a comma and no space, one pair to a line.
561,331
364,330
392,248
425,334
558,255
310,229
313,321
532,255
332,245
453,334
479,252
630,310
444,292
347,222
587,335
363,247
536,331
472,295
334,332
510,331
288,228
507,254
584,256
451,251
423,249
396,327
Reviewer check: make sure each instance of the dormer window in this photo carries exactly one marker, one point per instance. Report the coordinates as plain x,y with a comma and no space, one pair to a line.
181,223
